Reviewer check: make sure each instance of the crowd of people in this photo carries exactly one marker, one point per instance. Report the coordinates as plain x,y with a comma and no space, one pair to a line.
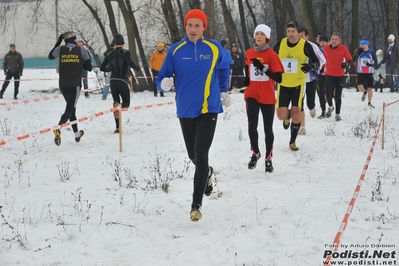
296,67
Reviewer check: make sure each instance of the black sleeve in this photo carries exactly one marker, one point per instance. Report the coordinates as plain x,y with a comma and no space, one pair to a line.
356,55
348,63
87,65
309,52
5,63
104,64
277,77
246,78
50,55
276,47
354,58
21,63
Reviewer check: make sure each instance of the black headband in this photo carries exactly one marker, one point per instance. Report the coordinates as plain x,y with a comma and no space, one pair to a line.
71,39
292,25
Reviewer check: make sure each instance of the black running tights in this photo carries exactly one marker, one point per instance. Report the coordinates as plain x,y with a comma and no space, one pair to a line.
268,111
71,96
198,136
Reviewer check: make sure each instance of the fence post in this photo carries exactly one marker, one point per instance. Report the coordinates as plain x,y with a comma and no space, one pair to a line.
383,125
120,128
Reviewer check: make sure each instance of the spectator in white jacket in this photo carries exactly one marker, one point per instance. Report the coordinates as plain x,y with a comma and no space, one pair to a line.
379,73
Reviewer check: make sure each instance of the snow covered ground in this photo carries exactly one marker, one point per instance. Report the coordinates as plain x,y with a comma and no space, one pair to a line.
88,203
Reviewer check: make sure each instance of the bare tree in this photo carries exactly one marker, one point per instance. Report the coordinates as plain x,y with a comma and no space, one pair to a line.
243,25
340,16
228,22
94,11
95,21
181,16
133,36
170,18
392,20
355,26
251,14
322,21
194,4
308,19
287,4
280,17
210,12
111,17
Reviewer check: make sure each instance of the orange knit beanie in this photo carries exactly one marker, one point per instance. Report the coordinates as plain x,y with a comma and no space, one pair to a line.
196,13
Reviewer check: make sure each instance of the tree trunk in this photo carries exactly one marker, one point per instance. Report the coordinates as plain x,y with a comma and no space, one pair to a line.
243,27
194,4
290,10
132,34
229,23
111,17
280,18
340,17
181,16
322,23
354,44
102,29
307,12
392,18
210,12
170,17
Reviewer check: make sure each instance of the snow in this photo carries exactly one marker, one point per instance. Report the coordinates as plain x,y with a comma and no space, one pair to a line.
63,205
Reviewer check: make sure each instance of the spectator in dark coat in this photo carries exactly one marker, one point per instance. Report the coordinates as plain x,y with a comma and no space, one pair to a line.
237,68
13,66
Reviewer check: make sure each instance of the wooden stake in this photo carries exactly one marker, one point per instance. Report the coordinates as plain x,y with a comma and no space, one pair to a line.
131,83
120,128
383,125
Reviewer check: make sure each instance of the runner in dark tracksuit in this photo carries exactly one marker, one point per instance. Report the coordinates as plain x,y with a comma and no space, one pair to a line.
117,61
72,59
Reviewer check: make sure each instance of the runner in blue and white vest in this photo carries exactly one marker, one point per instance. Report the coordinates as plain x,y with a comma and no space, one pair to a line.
366,62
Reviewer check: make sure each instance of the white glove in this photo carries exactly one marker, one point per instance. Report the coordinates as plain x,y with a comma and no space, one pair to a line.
167,84
226,100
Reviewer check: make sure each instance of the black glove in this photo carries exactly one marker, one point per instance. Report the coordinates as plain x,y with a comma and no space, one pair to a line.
343,65
321,71
257,64
368,64
60,38
306,67
20,74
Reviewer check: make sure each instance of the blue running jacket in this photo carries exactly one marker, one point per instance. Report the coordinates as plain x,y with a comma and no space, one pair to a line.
201,71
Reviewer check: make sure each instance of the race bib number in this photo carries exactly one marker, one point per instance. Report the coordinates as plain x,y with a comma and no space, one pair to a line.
364,61
257,74
290,65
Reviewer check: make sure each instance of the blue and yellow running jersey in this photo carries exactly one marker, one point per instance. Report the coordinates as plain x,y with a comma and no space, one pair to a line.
201,71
